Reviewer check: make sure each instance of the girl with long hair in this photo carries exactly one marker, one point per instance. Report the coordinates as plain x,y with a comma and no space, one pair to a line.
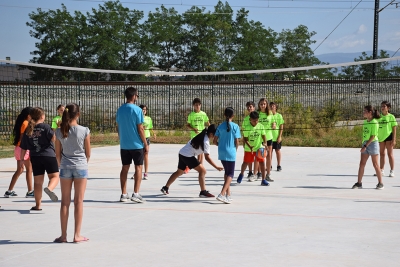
370,146
200,144
21,123
39,140
227,139
72,153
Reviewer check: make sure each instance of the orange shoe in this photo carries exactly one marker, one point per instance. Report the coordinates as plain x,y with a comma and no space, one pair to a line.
186,170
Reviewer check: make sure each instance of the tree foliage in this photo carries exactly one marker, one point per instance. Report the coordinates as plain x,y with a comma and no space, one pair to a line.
115,37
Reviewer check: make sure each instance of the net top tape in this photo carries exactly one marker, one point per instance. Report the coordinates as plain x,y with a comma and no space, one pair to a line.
201,73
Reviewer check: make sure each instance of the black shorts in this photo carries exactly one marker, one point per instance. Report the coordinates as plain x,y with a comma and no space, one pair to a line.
40,165
389,138
148,141
135,155
276,145
269,142
191,162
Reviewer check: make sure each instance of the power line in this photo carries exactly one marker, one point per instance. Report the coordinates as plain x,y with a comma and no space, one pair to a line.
338,25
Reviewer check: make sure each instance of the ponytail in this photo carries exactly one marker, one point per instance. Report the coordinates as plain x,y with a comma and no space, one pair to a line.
198,141
71,111
375,112
18,124
36,114
228,115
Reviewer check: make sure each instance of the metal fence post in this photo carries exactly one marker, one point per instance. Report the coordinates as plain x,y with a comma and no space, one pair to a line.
369,93
169,104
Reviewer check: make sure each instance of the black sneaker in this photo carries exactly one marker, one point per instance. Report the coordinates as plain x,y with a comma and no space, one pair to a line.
205,193
379,186
30,194
250,174
259,176
164,190
357,186
279,168
10,194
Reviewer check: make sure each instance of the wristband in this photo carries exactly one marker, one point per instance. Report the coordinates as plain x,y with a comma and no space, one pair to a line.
365,146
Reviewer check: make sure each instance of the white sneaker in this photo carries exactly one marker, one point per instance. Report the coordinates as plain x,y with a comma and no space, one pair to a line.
145,176
136,197
124,198
229,198
251,178
220,198
391,174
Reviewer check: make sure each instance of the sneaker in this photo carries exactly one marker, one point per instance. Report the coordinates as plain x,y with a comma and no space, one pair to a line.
264,183
259,176
357,186
145,177
51,194
268,178
10,194
240,178
229,198
250,177
279,168
136,197
164,190
205,193
221,198
382,171
30,194
124,198
379,186
186,170
391,174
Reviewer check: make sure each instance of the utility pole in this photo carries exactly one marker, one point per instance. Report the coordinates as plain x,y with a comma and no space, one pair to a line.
376,24
375,45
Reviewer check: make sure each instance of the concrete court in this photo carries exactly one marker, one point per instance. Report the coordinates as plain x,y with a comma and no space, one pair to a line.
308,217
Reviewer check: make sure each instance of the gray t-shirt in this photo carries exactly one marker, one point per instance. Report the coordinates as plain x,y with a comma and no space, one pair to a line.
73,148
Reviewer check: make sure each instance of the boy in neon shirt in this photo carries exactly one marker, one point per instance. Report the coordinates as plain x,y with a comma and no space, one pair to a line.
254,137
197,122
250,106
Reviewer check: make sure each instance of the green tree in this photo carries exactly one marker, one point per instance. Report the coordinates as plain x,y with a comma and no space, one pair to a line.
365,71
296,52
116,36
164,29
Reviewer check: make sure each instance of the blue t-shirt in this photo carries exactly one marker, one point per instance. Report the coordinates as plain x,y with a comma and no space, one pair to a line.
226,141
129,116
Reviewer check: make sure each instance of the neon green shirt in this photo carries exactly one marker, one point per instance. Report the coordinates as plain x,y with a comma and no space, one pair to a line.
54,122
370,128
278,119
266,121
254,136
246,122
386,124
197,120
148,125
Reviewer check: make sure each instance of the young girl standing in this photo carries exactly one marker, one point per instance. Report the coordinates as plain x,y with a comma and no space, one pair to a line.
73,153
200,144
227,139
387,136
277,130
265,119
39,139
370,145
55,122
21,123
148,126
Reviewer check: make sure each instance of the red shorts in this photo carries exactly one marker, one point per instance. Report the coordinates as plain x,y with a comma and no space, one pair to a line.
17,153
250,156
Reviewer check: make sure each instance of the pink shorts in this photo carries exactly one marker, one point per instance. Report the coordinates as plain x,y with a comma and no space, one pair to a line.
17,153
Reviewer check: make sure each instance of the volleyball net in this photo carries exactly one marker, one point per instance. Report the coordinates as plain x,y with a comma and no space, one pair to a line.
306,103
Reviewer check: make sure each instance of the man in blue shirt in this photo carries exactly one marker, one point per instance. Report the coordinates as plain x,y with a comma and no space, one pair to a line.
132,142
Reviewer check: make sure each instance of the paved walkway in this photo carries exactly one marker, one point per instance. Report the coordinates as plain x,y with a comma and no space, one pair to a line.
308,217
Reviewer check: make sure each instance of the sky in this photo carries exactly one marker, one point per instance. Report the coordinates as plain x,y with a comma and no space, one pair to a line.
353,34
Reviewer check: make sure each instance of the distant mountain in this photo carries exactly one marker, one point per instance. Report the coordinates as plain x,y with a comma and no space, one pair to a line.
334,58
